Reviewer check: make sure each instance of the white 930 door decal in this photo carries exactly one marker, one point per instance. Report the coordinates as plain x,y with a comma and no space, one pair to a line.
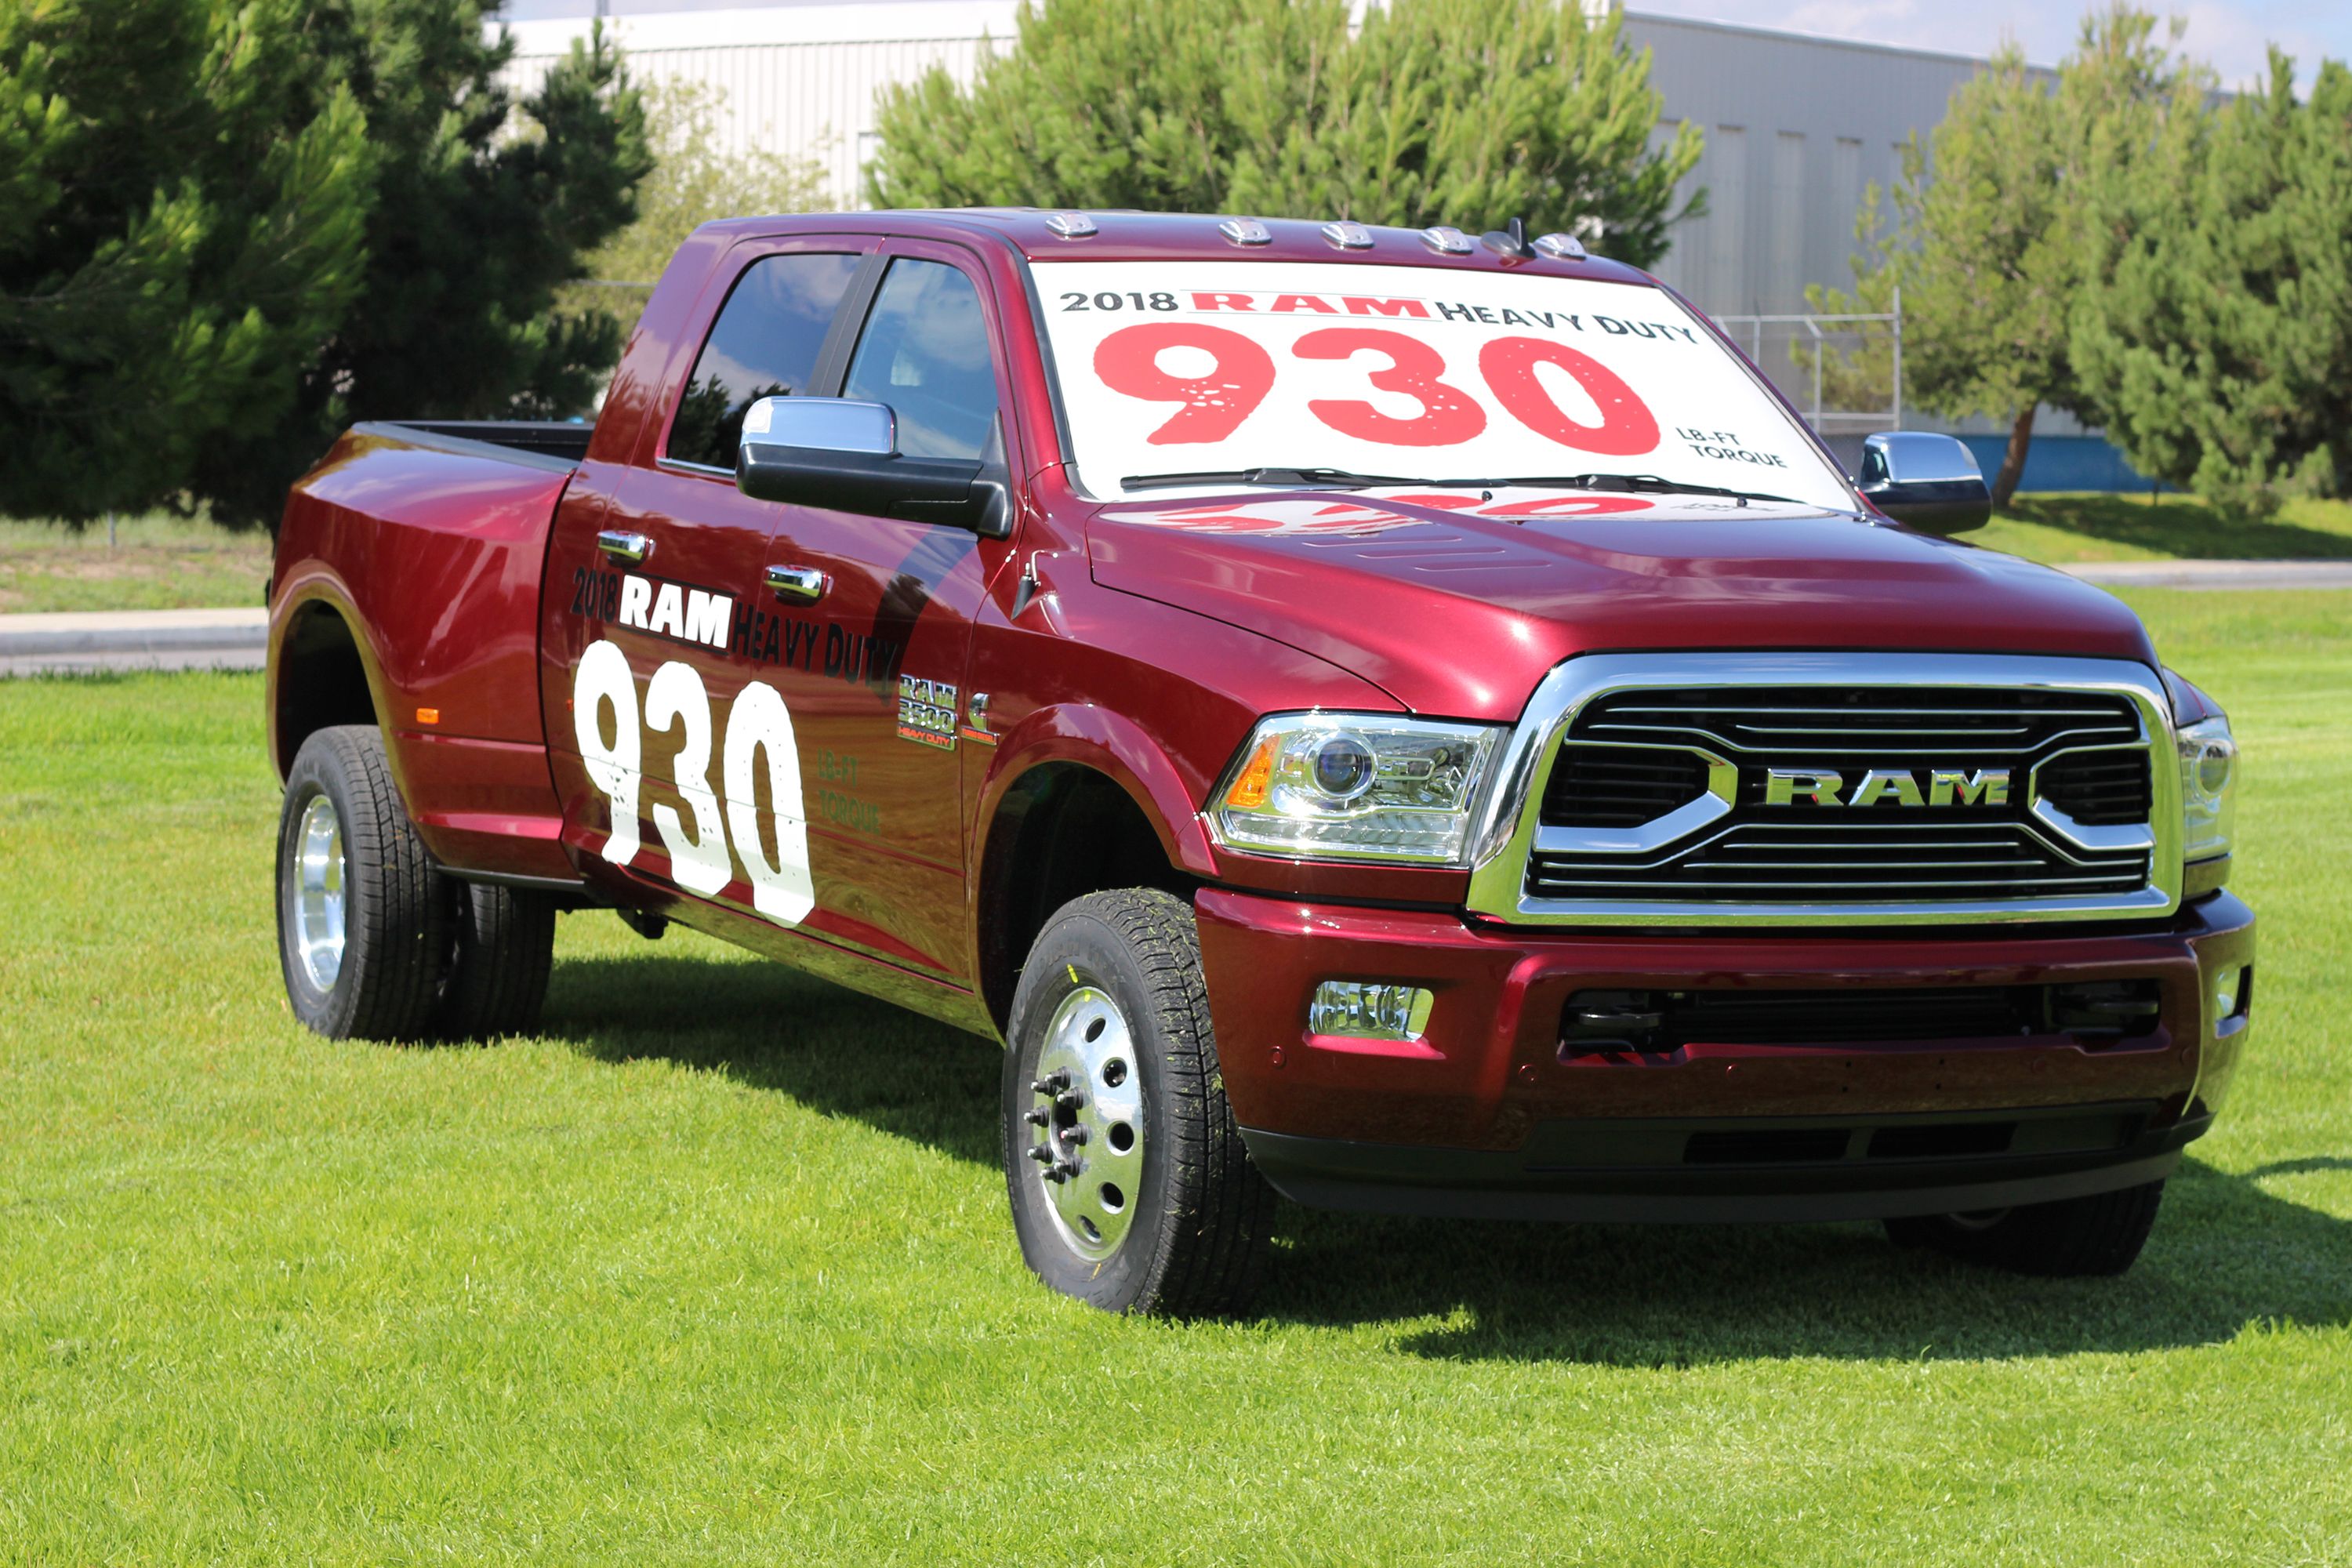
782,890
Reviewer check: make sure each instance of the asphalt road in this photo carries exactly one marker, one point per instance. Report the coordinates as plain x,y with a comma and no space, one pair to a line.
237,639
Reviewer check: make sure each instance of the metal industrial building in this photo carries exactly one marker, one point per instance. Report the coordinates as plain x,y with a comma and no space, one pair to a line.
1795,127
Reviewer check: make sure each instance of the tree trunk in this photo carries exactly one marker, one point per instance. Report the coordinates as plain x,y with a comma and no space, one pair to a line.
2012,461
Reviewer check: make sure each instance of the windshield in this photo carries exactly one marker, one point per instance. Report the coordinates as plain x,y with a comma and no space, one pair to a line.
1205,371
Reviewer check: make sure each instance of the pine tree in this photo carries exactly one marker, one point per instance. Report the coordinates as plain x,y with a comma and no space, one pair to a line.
182,225
2217,321
1989,239
695,179
1464,112
484,208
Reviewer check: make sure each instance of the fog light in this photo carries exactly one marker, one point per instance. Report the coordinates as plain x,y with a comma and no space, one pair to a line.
1369,1010
2229,990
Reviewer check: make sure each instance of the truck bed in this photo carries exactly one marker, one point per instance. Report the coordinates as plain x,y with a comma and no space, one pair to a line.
542,443
417,546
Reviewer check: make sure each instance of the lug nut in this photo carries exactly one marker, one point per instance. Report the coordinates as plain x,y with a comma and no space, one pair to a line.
1065,1169
1074,1135
1037,1118
1058,1175
1040,1153
1054,1082
1069,1102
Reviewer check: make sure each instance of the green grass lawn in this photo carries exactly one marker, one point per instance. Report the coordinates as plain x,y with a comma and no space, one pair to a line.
2063,528
156,563
717,1267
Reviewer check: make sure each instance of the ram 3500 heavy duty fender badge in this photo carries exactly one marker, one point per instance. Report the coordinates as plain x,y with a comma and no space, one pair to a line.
927,713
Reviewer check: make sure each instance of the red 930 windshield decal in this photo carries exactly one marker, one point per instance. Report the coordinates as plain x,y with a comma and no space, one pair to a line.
1179,366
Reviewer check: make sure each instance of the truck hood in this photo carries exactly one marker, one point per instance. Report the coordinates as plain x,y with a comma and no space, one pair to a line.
1457,602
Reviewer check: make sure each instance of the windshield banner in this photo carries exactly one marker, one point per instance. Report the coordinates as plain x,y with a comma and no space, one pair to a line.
1171,367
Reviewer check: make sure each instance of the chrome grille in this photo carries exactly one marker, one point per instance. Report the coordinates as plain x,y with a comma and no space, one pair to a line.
1637,791
1620,786
1898,724
1795,861
2099,789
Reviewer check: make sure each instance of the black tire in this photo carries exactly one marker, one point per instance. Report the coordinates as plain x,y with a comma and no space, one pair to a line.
2072,1238
395,934
501,946
1195,1242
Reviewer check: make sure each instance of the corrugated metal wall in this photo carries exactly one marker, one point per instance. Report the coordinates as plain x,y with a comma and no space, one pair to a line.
1796,129
812,100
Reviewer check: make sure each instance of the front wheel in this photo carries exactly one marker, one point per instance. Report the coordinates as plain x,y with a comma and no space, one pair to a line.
2101,1234
1129,1183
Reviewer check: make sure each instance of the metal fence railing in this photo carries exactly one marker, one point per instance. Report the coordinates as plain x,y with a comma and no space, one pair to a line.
1845,372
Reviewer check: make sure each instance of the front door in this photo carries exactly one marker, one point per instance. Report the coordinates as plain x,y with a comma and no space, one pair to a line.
878,691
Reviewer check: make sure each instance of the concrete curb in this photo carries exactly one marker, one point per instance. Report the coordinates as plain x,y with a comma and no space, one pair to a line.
79,643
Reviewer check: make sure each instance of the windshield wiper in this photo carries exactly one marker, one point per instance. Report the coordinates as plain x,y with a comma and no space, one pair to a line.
1342,479
1634,484
1288,478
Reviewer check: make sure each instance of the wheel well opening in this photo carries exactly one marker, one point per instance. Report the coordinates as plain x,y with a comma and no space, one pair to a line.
1061,832
321,680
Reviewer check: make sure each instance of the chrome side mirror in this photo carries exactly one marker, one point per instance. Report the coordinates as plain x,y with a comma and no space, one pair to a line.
823,425
843,454
1928,482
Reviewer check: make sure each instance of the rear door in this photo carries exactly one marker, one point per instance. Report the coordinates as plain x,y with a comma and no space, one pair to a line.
673,751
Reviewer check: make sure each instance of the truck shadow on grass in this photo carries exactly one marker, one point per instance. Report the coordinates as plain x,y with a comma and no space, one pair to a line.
2225,1255
2180,525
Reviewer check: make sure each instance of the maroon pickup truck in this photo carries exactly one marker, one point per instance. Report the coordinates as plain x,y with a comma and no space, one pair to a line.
1402,720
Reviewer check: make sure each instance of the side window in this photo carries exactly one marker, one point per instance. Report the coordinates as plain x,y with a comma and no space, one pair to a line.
765,344
924,351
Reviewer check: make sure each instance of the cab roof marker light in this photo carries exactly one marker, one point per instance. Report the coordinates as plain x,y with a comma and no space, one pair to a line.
1560,247
1447,241
1510,242
1245,231
1346,235
1071,226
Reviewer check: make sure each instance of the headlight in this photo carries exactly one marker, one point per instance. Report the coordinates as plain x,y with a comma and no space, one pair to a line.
2209,775
1354,786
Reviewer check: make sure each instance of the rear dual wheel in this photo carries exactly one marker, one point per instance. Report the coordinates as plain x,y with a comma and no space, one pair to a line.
375,942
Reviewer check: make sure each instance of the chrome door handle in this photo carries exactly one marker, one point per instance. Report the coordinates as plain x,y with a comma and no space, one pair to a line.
801,584
622,545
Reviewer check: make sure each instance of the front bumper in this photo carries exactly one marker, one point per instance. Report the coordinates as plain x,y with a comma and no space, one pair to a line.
1485,1113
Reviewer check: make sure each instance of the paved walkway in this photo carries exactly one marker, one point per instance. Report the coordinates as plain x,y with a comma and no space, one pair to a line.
133,639
2210,575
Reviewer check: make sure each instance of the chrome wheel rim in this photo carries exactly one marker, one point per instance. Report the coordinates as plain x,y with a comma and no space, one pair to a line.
1086,1114
319,893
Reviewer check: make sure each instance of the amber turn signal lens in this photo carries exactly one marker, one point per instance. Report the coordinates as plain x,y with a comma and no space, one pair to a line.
428,715
1250,790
